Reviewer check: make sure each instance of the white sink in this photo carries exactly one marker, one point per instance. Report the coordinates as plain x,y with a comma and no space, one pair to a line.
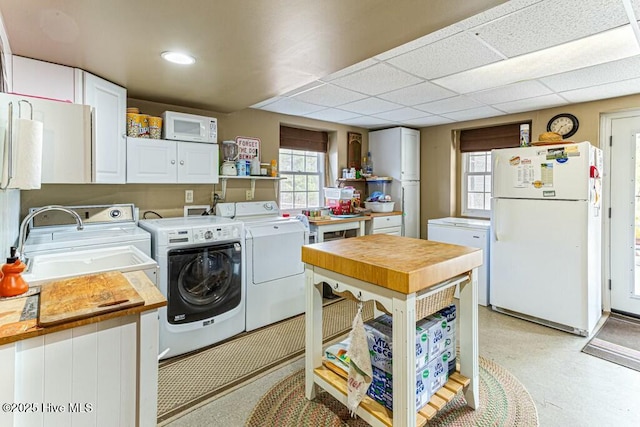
57,266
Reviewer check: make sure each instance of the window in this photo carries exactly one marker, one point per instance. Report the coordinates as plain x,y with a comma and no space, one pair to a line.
304,173
475,146
476,184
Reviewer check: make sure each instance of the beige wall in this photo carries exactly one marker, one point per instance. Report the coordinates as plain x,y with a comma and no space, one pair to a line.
168,199
440,190
440,159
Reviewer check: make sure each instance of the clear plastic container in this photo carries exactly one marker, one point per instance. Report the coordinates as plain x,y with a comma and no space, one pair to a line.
381,185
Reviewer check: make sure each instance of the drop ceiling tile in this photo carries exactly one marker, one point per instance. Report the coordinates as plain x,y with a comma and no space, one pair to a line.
610,90
512,92
401,115
329,96
332,115
370,106
449,105
428,121
598,49
350,70
531,104
497,12
422,41
367,122
380,78
417,94
474,113
635,5
609,72
454,54
292,107
551,23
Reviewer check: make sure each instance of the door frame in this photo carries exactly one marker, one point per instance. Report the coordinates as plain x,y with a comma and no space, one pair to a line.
606,120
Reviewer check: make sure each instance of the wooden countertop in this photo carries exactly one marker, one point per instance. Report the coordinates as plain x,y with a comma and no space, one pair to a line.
403,264
338,220
13,329
377,214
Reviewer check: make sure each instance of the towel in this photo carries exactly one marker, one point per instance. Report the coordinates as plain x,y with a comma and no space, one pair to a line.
27,155
360,371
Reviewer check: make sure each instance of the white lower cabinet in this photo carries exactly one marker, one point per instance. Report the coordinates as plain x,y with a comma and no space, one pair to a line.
156,161
98,374
391,224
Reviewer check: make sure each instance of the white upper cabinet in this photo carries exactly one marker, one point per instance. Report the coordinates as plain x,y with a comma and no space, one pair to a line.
108,148
38,78
106,142
157,161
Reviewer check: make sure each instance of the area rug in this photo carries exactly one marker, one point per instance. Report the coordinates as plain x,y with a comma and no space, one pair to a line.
617,341
503,402
188,382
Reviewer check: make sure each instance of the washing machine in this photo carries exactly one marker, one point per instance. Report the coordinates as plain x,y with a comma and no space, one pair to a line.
201,274
275,273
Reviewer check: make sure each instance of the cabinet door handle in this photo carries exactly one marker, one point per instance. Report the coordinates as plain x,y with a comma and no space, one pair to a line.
173,162
182,162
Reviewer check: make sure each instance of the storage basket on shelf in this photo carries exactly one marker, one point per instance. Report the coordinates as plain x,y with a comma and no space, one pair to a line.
380,206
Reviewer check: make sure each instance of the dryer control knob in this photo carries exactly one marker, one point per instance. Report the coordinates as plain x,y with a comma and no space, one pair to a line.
208,234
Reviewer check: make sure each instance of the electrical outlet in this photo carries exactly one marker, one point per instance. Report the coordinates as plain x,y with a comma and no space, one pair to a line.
188,196
249,195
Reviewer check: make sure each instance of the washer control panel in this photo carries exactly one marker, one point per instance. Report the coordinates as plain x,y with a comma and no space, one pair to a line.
216,233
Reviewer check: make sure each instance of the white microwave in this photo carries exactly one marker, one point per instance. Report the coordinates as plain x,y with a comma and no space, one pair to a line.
189,127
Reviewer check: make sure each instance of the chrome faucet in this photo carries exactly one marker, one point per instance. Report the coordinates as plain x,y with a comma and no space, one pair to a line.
24,225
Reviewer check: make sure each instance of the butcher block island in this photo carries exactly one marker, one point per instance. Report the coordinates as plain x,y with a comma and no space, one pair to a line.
409,279
83,351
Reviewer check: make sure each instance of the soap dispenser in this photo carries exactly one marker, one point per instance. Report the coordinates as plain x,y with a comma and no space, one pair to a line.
11,281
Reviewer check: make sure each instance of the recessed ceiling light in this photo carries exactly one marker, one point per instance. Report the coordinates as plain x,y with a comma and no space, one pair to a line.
178,58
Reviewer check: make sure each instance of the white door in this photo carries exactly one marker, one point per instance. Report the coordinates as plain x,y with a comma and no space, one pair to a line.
410,162
624,222
109,102
411,209
151,161
197,163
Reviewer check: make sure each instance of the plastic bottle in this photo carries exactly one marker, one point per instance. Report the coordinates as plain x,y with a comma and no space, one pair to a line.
369,165
12,283
274,168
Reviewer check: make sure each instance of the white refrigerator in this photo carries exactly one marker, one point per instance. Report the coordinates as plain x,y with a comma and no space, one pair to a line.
546,223
395,153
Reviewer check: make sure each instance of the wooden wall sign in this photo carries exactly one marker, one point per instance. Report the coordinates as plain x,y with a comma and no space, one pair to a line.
354,150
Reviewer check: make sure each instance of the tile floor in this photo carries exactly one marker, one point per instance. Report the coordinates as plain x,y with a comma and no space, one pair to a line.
569,388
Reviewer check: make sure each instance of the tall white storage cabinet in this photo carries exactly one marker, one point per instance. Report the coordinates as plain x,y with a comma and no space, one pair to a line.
395,153
466,232
109,139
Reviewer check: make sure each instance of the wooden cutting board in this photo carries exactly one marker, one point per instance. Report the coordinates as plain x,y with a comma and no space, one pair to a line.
85,296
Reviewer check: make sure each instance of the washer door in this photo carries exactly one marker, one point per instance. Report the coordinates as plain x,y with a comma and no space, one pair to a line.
204,282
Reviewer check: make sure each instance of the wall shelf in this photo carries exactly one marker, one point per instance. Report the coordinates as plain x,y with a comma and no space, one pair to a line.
253,179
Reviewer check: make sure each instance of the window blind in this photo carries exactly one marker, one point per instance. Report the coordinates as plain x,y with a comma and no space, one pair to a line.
303,139
488,138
